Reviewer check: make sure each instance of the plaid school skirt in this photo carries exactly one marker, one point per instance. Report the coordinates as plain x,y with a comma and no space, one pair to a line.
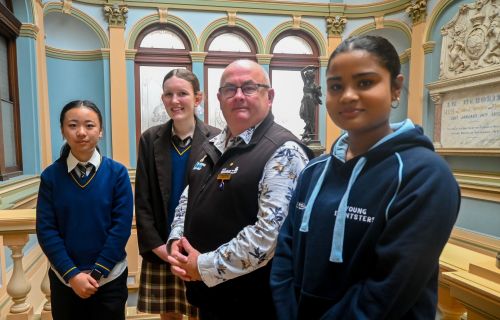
162,292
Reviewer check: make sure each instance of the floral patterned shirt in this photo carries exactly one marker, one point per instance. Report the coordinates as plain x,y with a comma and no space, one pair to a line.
254,246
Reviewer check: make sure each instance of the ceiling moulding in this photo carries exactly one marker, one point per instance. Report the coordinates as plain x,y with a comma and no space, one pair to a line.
270,7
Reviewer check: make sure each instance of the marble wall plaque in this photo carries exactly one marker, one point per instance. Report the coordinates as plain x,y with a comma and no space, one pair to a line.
471,118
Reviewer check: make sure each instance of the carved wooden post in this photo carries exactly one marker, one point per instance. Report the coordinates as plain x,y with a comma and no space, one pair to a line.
45,287
18,286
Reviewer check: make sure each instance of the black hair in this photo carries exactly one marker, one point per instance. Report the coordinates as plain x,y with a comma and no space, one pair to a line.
77,104
380,47
184,74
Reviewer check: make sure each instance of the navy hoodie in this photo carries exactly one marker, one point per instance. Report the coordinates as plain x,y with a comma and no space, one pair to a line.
363,237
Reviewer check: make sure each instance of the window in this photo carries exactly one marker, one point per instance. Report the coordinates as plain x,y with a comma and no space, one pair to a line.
291,51
160,48
10,135
223,46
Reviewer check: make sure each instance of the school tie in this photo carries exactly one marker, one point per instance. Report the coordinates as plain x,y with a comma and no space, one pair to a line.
82,169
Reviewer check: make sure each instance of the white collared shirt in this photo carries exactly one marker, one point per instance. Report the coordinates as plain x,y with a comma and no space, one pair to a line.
72,161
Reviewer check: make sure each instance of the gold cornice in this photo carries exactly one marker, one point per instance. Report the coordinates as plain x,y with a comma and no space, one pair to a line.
479,185
383,7
28,30
467,152
77,55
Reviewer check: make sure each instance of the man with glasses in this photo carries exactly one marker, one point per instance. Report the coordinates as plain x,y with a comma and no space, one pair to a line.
227,222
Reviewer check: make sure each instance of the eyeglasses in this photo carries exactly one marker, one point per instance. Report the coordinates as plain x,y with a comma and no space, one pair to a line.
248,89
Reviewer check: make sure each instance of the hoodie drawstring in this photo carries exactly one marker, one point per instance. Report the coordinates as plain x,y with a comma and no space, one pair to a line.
338,230
304,226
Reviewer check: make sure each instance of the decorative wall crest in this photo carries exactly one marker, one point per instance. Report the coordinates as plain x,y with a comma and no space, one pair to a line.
335,25
417,11
471,40
116,15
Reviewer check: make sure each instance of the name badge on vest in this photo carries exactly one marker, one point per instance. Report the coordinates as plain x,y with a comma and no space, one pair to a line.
199,164
225,175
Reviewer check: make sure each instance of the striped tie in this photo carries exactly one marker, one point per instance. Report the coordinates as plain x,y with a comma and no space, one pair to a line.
82,169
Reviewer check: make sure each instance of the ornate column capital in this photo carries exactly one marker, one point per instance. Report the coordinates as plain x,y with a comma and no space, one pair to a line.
335,25
116,15
198,56
417,11
263,58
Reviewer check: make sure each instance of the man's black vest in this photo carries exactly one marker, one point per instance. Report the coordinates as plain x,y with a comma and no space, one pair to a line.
223,199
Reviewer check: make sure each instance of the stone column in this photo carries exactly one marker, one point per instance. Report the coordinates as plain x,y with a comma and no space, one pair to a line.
417,12
117,16
335,27
43,90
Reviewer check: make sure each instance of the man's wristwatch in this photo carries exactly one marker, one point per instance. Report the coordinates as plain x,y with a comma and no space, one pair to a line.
96,274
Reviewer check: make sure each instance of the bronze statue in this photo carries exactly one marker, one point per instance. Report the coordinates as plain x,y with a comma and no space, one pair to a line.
310,100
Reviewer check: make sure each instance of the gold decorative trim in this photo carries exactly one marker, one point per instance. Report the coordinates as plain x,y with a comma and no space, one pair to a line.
335,25
264,58
116,15
243,24
146,21
77,55
468,152
130,54
310,29
296,21
379,22
323,61
29,30
405,56
479,185
83,17
429,46
198,56
163,15
417,11
67,6
231,18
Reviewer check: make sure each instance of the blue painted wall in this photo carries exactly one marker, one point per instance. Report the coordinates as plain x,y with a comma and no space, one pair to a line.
75,80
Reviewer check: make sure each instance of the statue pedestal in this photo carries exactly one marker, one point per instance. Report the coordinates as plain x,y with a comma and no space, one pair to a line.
316,147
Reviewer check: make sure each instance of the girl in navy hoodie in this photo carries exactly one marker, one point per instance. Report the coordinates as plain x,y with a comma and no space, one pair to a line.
83,221
367,222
